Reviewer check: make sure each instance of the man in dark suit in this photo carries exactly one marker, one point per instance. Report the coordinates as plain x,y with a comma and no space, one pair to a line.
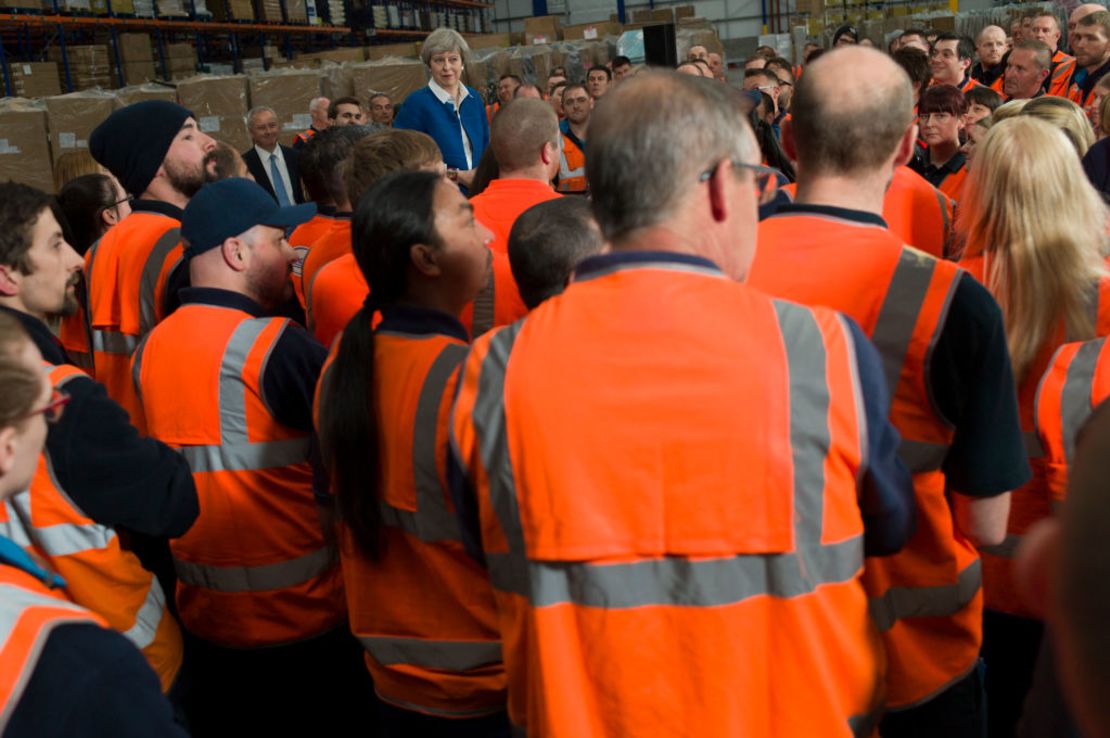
272,165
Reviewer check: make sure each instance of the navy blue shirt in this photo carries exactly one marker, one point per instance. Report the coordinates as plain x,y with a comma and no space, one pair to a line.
88,681
886,490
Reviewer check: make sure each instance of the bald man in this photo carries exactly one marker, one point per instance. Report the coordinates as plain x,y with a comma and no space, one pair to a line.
990,47
941,364
524,137
1077,15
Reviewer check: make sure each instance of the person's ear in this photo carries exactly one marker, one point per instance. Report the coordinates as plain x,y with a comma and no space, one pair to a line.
10,279
9,444
906,144
236,254
718,191
550,153
109,216
425,259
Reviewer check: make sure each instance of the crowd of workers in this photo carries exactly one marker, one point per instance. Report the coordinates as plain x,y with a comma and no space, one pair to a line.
642,405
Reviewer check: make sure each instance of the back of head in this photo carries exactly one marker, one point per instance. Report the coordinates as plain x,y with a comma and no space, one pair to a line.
226,162
1065,115
82,201
844,127
547,242
1042,54
73,164
645,157
1038,268
915,63
335,145
21,380
519,131
308,162
385,152
1008,110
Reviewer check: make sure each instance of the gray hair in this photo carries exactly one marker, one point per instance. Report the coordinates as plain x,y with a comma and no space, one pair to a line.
256,110
443,40
644,157
318,102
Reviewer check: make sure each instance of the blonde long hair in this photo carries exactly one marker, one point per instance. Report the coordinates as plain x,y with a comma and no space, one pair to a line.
1065,115
1029,210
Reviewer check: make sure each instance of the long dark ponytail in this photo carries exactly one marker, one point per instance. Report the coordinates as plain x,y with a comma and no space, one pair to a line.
393,215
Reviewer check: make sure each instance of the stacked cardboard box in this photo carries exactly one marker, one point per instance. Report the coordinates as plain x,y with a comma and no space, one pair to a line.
543,29
404,51
119,7
24,147
90,66
591,31
397,78
137,55
296,11
72,118
219,104
270,11
138,93
228,10
172,9
487,40
288,92
35,79
181,60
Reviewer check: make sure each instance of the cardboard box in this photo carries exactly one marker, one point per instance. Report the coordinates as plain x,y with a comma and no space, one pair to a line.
591,31
270,11
347,54
488,40
336,80
543,29
135,47
382,51
119,7
397,78
288,92
35,79
181,51
684,11
71,118
151,91
219,103
172,9
82,54
296,11
24,146
228,10
531,64
136,73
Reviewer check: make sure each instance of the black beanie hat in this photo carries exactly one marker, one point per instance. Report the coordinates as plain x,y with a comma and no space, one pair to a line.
132,142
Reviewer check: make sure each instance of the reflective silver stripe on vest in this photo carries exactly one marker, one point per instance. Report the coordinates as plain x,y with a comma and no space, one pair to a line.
148,282
679,580
63,539
114,342
14,603
149,616
433,520
432,654
236,452
927,602
281,575
1076,398
893,333
137,367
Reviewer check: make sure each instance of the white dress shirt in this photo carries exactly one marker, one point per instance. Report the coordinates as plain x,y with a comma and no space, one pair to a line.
445,97
264,156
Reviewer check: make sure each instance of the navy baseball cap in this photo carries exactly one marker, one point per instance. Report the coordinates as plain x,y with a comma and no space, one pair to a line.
230,207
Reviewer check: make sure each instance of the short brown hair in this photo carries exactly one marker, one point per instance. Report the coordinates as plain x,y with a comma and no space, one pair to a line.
20,208
333,109
942,99
1099,18
385,152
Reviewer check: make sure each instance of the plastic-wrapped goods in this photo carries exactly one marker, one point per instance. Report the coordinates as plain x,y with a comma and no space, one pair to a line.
24,146
71,118
396,77
219,103
288,92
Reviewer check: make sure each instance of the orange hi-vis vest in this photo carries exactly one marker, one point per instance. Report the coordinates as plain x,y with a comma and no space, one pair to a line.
254,570
918,213
301,239
99,573
1032,501
499,205
572,166
674,539
425,612
126,273
927,599
1063,66
304,136
337,294
29,612
329,247
1077,381
997,85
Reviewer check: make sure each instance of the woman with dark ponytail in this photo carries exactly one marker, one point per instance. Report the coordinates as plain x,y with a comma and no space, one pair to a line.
421,607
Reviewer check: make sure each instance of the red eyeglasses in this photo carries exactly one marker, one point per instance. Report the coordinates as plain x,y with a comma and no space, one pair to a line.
51,411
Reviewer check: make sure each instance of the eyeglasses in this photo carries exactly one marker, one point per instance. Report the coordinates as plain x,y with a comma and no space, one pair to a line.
52,411
766,178
129,198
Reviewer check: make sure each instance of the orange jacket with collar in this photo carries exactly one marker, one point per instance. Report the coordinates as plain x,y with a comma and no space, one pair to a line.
424,611
1063,66
301,239
626,608
927,600
254,570
126,273
326,249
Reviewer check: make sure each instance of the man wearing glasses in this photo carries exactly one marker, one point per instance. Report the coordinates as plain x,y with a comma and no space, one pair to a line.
944,354
665,517
763,80
96,474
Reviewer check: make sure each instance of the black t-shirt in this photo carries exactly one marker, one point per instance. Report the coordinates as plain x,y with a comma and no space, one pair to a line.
972,384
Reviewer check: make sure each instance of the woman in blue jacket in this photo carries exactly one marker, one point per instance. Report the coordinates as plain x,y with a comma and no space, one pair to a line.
447,110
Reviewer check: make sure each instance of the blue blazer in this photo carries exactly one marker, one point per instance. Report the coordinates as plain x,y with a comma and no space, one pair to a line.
422,111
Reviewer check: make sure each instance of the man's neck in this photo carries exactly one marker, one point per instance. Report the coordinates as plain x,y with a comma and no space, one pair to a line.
865,193
940,154
165,194
267,150
16,304
537,173
579,129
1095,67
